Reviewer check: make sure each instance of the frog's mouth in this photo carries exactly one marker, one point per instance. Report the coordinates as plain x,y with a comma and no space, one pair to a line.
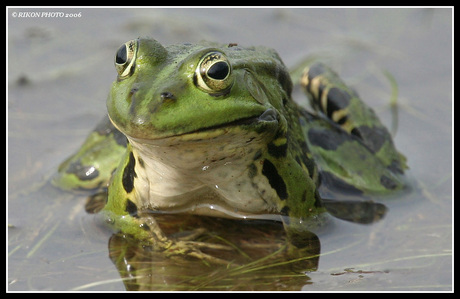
226,144
267,122
269,116
263,124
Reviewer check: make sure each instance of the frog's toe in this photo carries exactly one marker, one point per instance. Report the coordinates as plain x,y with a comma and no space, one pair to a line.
188,246
183,245
193,235
193,249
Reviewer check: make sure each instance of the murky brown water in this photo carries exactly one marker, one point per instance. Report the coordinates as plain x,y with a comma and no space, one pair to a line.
59,73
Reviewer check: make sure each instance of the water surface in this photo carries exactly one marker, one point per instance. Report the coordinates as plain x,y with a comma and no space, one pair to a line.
59,73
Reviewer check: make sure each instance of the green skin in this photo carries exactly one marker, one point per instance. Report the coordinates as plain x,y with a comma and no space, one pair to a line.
212,130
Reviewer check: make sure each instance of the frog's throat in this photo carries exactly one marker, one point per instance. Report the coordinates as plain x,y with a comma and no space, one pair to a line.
201,178
169,173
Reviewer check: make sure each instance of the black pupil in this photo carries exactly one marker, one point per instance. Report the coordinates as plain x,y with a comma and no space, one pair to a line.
121,56
218,71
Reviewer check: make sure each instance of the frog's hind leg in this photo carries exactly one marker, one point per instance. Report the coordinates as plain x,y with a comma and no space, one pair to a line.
352,148
330,96
92,166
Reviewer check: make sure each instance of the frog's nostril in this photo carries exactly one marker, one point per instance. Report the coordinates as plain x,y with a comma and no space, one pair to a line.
167,97
163,101
131,95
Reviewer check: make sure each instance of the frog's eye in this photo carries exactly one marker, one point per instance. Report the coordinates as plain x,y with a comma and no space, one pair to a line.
214,74
125,59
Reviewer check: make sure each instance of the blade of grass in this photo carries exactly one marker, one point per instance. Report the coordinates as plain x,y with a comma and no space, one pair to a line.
42,240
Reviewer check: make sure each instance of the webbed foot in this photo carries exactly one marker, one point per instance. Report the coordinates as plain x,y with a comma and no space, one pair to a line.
183,245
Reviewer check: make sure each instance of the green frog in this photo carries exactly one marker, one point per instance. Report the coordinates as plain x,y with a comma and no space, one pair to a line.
211,129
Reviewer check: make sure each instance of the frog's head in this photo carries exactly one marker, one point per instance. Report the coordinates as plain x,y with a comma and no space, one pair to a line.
182,90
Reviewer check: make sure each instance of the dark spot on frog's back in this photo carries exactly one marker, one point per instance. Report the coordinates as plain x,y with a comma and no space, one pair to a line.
374,138
336,184
316,70
326,138
388,182
84,173
396,167
275,180
129,174
337,99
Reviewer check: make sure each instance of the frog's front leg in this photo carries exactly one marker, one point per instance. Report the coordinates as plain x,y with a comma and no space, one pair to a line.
185,246
124,214
293,175
145,228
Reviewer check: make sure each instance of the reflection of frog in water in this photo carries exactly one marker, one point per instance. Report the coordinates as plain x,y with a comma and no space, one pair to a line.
254,250
212,130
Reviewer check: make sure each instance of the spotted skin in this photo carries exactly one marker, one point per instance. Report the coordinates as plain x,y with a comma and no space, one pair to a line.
249,150
343,119
328,95
92,166
129,174
274,179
